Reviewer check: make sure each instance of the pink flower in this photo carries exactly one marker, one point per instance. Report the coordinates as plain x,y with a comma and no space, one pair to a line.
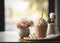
23,23
31,23
52,15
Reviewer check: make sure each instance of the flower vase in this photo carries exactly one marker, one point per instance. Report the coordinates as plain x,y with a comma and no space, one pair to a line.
51,28
24,32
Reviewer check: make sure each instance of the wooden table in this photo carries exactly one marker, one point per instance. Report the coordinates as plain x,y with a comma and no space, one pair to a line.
13,36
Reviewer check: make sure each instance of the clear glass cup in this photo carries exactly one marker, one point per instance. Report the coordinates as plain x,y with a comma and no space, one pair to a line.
40,31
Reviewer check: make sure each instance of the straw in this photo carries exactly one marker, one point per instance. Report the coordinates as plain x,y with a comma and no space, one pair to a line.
42,15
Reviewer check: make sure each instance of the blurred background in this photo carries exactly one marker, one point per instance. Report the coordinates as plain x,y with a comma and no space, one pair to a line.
15,9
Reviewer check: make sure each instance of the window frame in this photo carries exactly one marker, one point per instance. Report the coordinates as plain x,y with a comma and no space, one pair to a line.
2,15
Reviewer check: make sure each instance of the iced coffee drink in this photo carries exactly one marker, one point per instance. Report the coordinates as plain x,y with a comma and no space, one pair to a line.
41,28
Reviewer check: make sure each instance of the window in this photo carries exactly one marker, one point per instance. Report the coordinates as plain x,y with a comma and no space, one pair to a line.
15,9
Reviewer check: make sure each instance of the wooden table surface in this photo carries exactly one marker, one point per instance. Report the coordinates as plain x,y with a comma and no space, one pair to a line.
11,36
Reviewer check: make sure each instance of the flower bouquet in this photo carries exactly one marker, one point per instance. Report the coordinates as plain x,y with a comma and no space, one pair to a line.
51,24
23,25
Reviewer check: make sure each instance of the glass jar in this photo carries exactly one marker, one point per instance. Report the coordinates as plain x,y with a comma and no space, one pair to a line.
51,28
